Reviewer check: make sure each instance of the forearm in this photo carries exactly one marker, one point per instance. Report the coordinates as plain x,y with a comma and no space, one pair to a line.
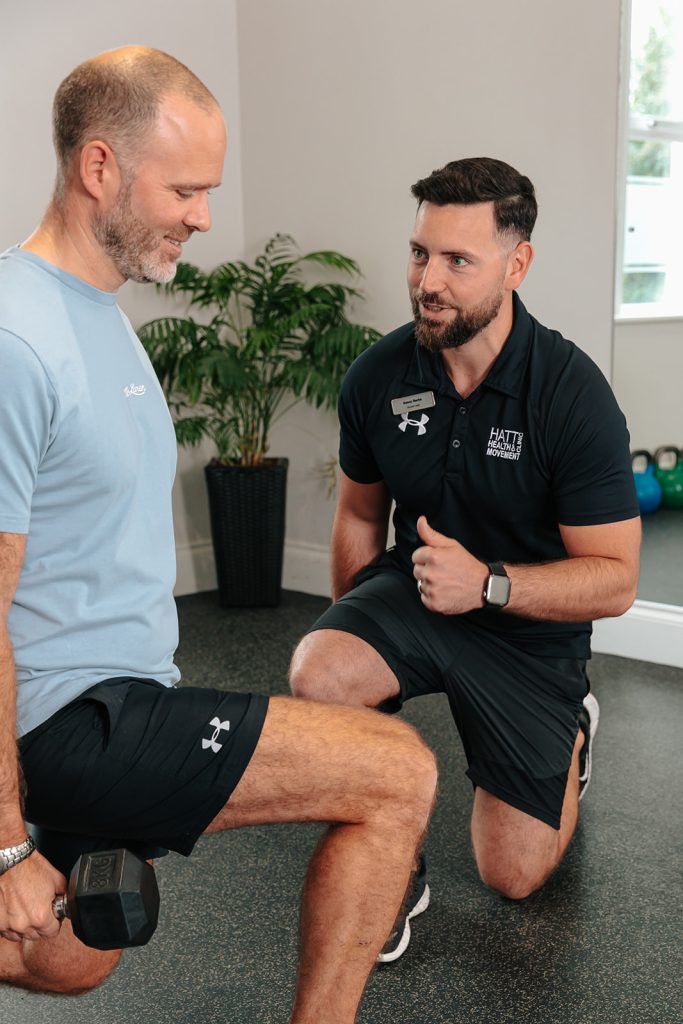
598,578
355,542
572,590
12,827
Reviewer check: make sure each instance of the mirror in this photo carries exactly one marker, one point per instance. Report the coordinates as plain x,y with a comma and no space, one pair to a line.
648,334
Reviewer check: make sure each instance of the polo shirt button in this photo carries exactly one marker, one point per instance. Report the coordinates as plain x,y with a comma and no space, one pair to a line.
462,410
456,443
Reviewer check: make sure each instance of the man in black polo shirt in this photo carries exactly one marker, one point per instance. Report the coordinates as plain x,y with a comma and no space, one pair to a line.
516,524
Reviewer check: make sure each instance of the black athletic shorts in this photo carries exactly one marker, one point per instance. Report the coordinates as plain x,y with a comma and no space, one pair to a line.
517,714
133,763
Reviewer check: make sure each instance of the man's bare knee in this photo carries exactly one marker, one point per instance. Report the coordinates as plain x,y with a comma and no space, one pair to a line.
333,667
69,973
411,775
514,882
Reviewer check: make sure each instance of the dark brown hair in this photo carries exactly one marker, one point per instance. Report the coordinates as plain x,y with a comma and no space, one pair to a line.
484,180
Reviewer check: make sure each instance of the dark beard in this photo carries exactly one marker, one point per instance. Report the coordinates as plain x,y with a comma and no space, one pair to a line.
436,337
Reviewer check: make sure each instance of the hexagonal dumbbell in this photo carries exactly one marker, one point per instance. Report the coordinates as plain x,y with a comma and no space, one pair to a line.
112,900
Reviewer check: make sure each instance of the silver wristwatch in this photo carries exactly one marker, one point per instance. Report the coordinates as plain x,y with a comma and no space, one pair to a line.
12,855
497,589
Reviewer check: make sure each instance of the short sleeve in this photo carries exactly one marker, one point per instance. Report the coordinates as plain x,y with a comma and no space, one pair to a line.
589,441
355,455
27,412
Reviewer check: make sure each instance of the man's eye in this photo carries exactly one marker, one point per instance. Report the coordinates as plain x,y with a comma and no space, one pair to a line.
184,195
418,254
458,261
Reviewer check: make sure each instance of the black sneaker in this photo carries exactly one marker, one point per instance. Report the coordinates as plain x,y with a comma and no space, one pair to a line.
588,721
416,903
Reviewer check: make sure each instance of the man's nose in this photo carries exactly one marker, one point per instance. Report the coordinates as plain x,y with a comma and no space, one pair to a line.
432,278
198,217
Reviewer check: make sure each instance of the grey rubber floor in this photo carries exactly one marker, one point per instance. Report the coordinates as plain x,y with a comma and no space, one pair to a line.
601,944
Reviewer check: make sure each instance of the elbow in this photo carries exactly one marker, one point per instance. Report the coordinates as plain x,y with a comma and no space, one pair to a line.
623,600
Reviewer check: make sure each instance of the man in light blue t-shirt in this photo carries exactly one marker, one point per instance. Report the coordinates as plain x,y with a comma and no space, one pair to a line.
113,752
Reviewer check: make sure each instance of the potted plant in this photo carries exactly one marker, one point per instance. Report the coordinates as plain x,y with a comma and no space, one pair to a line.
268,340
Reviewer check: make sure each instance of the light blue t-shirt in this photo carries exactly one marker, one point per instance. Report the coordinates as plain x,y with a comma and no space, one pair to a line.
87,461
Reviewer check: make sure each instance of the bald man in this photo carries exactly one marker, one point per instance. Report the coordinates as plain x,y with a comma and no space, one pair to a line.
113,752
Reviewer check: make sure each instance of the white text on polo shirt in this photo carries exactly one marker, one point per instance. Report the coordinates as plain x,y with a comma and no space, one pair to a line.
505,444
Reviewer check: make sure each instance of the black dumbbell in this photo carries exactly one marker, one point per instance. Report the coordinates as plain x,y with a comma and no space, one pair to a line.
112,900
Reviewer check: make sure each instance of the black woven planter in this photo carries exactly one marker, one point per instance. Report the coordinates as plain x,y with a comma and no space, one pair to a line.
247,508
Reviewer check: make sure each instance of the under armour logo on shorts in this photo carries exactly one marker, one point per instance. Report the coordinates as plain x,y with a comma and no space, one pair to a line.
420,424
217,727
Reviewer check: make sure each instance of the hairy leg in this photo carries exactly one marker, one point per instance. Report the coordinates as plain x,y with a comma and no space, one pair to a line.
338,668
516,853
375,780
62,964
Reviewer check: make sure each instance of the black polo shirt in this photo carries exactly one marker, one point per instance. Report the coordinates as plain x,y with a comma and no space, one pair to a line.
540,442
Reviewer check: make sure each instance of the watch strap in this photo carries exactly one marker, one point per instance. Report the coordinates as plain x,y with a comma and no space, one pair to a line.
497,568
12,855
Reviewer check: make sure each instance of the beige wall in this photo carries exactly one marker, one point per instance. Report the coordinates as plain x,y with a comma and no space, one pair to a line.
648,371
40,42
345,105
334,110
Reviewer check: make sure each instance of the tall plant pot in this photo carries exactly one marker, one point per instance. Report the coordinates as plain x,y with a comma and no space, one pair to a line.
247,508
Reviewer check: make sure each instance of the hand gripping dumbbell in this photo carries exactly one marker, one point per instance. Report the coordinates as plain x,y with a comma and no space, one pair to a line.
112,900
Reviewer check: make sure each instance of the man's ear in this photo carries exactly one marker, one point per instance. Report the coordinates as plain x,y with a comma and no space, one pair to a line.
519,261
99,170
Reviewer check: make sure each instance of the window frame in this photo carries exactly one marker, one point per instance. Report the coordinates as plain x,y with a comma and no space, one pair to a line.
636,127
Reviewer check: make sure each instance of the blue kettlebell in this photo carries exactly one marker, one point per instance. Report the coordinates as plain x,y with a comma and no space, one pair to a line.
648,489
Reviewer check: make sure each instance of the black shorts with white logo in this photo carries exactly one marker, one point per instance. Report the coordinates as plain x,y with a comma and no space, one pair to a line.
133,763
517,713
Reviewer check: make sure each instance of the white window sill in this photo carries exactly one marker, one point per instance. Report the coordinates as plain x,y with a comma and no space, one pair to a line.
648,313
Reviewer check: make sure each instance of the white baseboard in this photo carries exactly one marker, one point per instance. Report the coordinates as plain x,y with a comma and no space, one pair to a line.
306,568
647,632
195,568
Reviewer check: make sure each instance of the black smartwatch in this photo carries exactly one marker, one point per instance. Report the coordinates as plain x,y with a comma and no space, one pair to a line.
498,586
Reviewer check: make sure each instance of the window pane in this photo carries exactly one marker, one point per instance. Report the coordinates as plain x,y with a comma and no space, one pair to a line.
656,85
643,287
649,159
653,258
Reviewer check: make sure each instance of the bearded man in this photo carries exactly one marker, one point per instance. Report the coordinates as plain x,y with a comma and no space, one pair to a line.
516,523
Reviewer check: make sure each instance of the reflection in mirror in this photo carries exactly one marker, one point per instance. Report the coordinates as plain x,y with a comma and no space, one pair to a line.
648,337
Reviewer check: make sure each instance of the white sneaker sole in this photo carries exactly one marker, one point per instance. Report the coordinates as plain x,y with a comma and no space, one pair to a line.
593,708
419,908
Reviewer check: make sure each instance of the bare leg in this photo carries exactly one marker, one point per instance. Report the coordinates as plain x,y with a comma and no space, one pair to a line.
338,668
62,964
516,853
376,780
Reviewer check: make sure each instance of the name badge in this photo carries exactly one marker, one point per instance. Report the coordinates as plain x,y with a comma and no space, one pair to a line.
425,400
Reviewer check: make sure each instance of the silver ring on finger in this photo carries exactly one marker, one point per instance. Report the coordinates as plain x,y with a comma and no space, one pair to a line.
419,586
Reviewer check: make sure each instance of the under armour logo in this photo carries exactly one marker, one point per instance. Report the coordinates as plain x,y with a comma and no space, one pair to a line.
217,726
420,424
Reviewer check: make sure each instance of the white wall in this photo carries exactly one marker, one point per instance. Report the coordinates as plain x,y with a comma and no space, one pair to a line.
336,110
40,42
648,371
344,106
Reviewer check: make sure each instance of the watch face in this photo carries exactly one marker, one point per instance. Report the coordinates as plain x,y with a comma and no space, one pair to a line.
498,591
